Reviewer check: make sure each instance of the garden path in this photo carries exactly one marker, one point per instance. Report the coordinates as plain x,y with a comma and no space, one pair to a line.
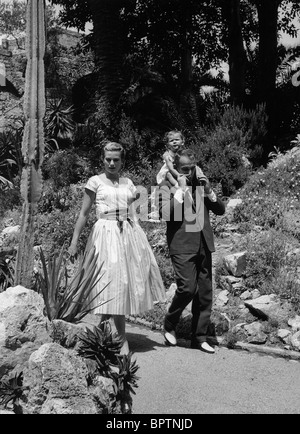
179,380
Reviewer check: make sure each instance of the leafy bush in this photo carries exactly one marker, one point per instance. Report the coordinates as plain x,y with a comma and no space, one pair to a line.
156,235
9,199
271,193
66,167
269,266
221,156
56,228
290,223
229,137
66,197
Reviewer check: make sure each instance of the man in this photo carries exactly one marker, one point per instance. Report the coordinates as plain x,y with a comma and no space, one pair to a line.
191,243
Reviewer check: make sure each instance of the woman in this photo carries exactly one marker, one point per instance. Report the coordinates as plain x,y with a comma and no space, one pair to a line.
131,274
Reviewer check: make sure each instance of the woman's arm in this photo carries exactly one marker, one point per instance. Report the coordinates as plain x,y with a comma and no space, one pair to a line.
88,200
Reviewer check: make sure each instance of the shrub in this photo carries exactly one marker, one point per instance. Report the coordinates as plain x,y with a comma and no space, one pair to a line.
66,167
290,223
9,199
269,267
156,235
63,199
56,228
221,156
272,193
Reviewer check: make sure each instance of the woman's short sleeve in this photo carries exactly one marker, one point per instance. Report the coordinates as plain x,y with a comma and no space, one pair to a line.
92,184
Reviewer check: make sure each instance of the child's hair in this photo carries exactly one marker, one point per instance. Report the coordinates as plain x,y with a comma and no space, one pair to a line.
171,133
113,146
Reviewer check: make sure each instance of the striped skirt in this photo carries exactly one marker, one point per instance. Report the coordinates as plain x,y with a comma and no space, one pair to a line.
130,278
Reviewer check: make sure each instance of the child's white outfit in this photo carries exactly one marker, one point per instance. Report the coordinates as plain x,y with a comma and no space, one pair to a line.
160,177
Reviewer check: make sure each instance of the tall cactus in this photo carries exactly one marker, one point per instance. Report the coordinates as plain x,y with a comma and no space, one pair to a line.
33,137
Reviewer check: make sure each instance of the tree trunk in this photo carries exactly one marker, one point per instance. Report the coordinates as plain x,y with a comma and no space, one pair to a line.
265,91
188,103
33,138
268,53
109,56
237,58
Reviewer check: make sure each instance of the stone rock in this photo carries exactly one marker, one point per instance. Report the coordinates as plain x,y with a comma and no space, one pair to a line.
295,340
255,293
284,335
103,391
294,323
220,323
246,295
235,263
55,382
232,203
23,327
255,333
229,283
269,307
221,299
65,333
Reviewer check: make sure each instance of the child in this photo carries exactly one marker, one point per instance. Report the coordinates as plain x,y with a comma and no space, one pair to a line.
175,143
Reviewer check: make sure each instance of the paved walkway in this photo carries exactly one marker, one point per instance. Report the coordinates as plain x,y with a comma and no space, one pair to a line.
179,380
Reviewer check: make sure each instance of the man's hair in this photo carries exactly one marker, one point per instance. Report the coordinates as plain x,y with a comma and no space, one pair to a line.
171,133
113,146
185,153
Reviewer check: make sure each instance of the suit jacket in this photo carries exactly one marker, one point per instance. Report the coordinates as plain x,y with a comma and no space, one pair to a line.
184,233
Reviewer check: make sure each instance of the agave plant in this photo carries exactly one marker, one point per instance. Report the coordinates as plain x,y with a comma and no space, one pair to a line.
125,380
11,390
63,300
59,121
100,345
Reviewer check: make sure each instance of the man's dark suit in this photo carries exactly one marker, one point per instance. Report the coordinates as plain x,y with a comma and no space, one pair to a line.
190,253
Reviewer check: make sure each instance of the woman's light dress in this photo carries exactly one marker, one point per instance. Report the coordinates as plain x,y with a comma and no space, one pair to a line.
129,268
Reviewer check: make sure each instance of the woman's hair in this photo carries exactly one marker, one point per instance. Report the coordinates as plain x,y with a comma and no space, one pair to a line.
171,133
185,153
113,146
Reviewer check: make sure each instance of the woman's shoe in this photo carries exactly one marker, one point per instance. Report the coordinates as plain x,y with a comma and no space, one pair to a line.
170,338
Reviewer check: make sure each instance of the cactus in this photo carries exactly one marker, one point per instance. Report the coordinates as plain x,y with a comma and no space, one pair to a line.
33,137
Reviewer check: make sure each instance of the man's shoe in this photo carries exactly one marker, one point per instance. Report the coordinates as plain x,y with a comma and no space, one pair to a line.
170,338
202,346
